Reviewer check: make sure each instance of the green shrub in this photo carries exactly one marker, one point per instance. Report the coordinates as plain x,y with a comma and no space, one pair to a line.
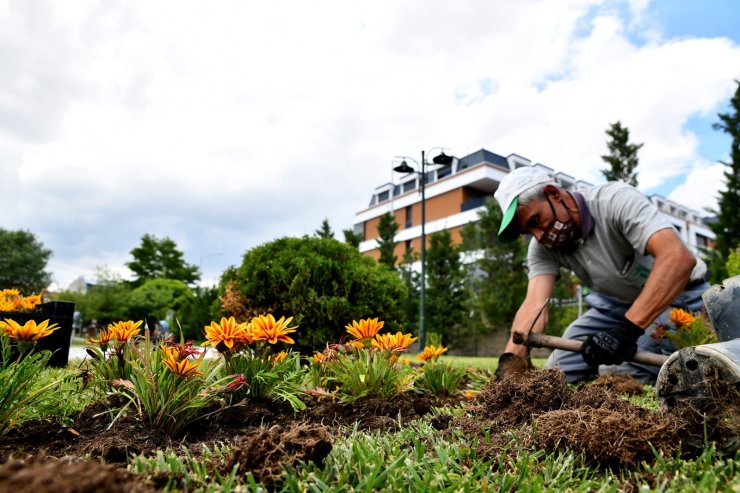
324,283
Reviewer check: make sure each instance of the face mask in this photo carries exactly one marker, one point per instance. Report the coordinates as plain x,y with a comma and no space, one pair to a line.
560,234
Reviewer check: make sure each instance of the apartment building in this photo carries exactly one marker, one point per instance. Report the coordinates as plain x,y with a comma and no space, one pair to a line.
455,193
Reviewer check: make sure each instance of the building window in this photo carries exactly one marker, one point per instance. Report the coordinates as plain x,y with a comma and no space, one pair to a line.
396,190
383,196
408,245
359,229
409,185
444,171
409,216
702,241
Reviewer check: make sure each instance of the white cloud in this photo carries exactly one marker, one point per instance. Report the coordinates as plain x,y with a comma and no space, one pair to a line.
701,188
226,125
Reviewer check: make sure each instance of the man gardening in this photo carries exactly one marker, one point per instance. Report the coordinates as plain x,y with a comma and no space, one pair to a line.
621,247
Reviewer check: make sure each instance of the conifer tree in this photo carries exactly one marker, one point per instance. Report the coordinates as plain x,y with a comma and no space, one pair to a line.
352,238
622,157
387,227
325,230
410,278
445,307
159,258
727,225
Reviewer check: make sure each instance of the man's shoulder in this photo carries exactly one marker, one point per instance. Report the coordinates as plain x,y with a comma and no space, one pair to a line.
611,188
613,194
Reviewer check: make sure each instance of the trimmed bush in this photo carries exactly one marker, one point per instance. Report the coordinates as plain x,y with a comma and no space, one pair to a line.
323,283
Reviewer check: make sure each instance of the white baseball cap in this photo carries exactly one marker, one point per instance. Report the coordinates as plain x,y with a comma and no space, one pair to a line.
507,195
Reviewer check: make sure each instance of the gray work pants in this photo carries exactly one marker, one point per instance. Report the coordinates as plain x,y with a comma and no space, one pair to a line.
605,313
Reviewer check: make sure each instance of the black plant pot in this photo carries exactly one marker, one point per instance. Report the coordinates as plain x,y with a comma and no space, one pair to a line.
57,312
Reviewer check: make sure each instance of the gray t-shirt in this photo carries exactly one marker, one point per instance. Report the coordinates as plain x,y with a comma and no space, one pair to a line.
612,259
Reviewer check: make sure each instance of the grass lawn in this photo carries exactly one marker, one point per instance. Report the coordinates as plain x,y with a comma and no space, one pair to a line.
416,456
483,362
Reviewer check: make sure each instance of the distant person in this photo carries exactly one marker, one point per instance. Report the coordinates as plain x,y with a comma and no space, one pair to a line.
621,247
77,323
163,329
92,329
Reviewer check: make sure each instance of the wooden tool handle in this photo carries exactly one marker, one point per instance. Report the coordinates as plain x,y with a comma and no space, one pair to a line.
553,342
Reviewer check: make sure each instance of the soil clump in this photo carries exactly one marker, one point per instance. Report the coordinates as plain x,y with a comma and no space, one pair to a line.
619,384
266,452
68,475
543,412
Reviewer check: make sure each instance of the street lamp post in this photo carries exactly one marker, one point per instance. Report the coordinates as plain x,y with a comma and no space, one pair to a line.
404,167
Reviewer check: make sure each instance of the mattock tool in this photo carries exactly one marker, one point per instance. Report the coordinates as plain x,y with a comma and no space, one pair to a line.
533,339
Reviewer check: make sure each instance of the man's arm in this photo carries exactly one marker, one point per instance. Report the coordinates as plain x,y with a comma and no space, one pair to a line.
671,271
538,290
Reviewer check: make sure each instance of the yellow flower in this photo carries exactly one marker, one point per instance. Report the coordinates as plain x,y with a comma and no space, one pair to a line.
265,328
227,335
365,329
29,332
7,305
10,293
181,367
431,352
680,317
393,342
123,331
29,302
105,337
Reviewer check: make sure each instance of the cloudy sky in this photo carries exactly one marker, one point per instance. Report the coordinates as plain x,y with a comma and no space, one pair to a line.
226,124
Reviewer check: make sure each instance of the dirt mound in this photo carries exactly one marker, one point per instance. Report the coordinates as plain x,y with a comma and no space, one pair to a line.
68,476
373,414
266,452
605,437
542,411
516,398
619,384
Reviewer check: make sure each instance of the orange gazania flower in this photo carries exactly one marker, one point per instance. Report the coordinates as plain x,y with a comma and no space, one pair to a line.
7,305
29,331
181,351
227,335
29,302
181,367
10,300
123,331
365,329
470,394
356,344
279,357
320,357
431,352
266,328
395,343
104,338
680,317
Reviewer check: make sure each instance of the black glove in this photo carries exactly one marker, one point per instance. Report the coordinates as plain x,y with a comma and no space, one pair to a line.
510,364
613,346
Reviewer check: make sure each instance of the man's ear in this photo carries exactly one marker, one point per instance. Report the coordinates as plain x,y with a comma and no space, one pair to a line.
552,192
